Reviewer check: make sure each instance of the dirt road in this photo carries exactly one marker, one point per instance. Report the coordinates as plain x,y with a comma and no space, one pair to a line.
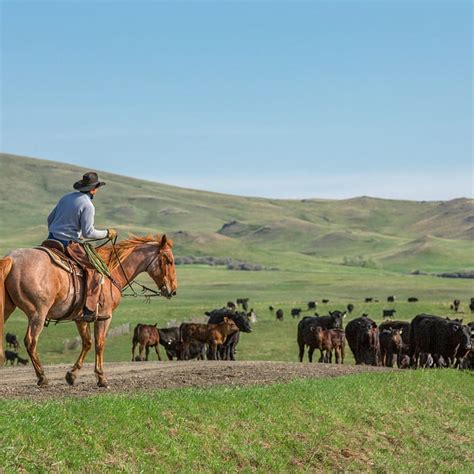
20,382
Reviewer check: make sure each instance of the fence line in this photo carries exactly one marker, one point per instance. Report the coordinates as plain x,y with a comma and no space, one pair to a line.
75,343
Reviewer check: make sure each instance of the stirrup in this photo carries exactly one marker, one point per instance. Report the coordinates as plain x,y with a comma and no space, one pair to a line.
88,317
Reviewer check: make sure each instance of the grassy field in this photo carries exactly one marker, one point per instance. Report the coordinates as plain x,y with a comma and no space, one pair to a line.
201,289
413,421
403,421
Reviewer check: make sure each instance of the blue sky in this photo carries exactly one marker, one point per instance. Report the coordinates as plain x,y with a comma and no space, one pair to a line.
282,99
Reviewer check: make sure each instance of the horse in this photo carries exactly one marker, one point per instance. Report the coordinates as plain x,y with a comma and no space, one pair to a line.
42,290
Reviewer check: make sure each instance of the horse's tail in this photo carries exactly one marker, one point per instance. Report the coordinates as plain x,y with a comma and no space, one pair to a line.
5,267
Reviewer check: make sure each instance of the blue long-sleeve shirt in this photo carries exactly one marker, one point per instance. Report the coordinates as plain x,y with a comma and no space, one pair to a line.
73,218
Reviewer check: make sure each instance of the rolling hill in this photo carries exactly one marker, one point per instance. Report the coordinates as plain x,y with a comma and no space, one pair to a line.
310,233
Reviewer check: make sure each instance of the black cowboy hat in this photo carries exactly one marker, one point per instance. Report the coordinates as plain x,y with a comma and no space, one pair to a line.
89,181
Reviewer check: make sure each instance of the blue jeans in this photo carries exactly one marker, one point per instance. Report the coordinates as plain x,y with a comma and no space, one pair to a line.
64,242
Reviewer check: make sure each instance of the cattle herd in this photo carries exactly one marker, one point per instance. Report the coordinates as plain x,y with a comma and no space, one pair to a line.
215,340
427,341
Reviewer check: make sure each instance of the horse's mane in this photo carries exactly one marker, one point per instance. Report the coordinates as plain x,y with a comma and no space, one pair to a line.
125,247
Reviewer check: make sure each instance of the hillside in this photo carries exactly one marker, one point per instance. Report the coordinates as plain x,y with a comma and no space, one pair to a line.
396,235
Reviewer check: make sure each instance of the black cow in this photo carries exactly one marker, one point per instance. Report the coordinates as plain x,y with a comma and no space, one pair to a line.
11,356
439,337
362,336
350,308
295,312
305,335
169,339
326,301
312,305
271,308
391,299
231,305
471,305
468,362
412,299
388,313
244,302
279,314
455,305
12,341
242,321
369,300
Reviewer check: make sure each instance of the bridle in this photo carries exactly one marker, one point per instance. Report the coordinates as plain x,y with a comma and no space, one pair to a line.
144,289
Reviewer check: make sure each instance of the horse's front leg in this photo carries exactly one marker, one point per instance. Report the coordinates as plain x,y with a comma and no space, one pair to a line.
100,331
35,326
83,329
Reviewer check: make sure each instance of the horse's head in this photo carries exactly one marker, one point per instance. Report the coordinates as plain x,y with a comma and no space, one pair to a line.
162,268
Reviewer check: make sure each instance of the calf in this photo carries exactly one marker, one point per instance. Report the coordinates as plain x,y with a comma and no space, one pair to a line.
242,321
279,314
305,335
391,343
12,341
404,327
12,356
169,339
388,313
295,312
363,338
329,340
146,336
212,334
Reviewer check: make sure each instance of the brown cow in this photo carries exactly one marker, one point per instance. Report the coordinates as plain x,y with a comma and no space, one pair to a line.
146,336
212,334
328,340
391,343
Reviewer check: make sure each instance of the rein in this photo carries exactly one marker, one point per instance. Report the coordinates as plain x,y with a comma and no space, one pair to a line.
130,283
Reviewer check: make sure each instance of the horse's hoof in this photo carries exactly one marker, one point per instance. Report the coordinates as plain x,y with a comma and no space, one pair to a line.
42,382
102,384
70,378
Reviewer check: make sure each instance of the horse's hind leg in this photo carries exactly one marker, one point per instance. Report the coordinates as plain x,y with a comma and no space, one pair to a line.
100,331
83,329
35,326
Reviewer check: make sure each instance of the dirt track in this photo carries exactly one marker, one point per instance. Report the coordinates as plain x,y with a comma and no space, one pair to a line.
20,382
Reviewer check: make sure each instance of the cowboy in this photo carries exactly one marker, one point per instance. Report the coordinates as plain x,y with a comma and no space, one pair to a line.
72,220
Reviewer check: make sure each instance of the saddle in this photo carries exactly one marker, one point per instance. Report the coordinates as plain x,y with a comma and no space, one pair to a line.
59,257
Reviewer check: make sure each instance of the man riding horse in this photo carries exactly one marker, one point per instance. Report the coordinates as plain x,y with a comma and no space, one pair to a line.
72,220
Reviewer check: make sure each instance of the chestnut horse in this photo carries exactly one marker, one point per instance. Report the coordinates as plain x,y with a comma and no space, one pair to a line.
42,290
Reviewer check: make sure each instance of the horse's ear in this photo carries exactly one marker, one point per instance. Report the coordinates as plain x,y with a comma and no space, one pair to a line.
164,240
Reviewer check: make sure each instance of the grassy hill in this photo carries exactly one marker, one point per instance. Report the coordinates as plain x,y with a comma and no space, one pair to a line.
287,234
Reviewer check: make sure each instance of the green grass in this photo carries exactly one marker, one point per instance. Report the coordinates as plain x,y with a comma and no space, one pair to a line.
415,421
